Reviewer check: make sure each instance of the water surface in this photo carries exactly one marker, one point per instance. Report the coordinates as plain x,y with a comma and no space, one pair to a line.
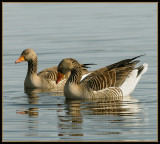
101,33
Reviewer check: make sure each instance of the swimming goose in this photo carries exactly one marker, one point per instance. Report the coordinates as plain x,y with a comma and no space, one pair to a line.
46,78
116,80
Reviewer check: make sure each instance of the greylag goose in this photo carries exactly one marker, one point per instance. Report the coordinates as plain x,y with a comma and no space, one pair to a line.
46,78
116,80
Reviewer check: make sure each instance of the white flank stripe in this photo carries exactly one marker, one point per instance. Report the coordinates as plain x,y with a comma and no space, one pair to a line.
83,76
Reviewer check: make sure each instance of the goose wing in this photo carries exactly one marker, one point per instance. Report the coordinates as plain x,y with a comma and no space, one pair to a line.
50,73
110,76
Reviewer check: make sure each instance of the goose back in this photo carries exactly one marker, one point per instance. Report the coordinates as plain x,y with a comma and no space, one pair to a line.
110,76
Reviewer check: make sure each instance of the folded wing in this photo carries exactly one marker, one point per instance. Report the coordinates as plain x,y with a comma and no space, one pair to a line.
110,76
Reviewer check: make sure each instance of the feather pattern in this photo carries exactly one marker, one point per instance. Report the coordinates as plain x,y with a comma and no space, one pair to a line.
102,83
46,78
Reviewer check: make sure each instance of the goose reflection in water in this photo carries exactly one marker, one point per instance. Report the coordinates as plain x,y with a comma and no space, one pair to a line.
73,114
107,106
33,98
78,111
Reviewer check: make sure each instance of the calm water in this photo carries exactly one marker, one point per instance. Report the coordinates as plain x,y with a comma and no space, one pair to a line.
101,33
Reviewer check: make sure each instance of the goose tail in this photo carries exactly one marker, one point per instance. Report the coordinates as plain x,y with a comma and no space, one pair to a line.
132,79
85,66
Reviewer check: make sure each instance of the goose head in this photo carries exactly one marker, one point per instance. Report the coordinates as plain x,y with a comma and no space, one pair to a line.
64,67
27,55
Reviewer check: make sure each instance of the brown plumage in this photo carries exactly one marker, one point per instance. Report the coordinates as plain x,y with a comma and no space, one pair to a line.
44,79
101,83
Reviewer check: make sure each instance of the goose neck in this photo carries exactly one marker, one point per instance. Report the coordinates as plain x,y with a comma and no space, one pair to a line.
76,75
32,67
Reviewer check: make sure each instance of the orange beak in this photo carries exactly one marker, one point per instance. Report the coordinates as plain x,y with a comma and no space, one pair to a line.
21,59
59,77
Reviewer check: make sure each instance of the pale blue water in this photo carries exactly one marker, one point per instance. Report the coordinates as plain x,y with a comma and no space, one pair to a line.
101,33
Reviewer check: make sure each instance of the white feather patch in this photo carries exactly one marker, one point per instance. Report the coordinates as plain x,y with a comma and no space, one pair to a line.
83,76
131,81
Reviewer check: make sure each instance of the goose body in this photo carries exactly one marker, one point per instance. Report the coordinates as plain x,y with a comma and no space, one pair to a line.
45,79
116,80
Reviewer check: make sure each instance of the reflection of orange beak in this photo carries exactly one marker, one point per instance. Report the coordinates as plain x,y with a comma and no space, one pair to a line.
59,77
21,59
